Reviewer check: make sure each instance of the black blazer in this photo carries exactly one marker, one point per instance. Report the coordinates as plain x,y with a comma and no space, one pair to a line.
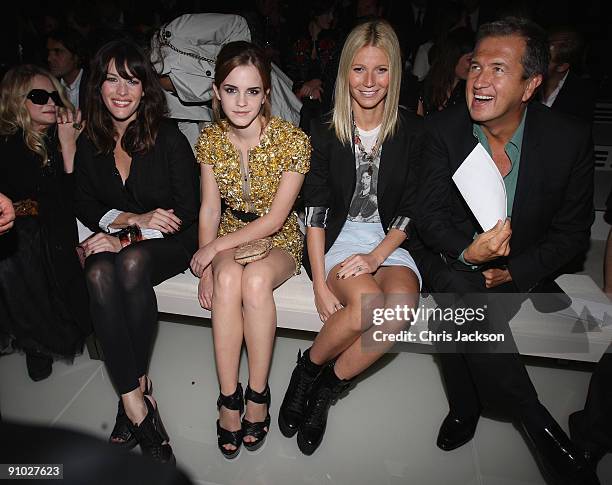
576,97
24,178
332,177
165,177
553,205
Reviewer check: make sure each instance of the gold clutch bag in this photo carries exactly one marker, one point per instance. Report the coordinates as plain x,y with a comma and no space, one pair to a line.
253,250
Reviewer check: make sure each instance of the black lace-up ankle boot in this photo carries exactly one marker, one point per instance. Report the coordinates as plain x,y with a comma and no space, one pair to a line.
292,409
325,391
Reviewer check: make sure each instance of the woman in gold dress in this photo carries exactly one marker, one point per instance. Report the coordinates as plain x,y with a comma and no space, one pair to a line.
256,164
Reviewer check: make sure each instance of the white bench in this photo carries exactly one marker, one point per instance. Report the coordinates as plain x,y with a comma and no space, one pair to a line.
560,335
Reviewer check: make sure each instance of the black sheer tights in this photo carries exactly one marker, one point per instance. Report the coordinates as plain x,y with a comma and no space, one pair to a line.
123,303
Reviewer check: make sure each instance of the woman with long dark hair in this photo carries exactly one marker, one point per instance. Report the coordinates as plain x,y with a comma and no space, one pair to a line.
256,163
134,171
444,85
43,300
357,253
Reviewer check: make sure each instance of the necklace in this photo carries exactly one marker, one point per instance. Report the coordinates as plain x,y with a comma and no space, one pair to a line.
369,157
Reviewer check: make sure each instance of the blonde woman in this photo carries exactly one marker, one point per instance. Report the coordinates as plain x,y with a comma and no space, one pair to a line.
43,300
356,248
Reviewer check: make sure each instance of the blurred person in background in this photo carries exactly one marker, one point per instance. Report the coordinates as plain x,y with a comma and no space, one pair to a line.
444,85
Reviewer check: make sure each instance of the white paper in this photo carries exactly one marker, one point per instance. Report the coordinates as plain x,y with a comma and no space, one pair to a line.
482,187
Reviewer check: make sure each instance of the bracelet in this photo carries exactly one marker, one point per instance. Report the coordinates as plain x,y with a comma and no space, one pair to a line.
128,235
124,239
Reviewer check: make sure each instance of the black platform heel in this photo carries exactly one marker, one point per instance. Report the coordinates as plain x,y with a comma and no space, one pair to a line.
122,436
233,402
256,430
151,434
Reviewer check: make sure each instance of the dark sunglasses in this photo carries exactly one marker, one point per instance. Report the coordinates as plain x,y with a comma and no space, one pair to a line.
40,96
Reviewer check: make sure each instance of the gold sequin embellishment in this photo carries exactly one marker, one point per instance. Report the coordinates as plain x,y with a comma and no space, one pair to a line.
282,148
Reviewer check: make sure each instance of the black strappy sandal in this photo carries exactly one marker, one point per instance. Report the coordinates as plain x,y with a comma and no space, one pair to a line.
151,434
122,436
233,402
256,430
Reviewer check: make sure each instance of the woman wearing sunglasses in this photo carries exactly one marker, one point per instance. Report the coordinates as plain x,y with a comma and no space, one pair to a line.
43,299
133,168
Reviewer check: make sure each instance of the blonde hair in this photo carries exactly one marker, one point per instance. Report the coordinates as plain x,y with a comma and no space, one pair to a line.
375,33
14,115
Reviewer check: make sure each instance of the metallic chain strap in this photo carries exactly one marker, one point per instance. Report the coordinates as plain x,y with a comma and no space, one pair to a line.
165,42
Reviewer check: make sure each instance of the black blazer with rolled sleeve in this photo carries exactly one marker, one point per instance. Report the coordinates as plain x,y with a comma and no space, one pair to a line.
553,205
576,97
330,183
165,177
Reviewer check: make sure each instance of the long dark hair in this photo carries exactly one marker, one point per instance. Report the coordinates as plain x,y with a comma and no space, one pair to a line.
441,77
140,134
241,53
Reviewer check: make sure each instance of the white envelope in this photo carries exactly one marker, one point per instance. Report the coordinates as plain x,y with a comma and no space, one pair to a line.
482,187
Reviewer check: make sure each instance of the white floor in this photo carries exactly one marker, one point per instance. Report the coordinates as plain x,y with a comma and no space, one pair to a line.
382,433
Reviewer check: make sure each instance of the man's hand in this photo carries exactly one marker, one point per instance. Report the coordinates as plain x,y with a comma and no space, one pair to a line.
495,277
490,245
7,214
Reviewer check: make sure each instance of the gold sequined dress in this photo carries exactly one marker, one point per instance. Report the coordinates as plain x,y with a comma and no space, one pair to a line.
251,187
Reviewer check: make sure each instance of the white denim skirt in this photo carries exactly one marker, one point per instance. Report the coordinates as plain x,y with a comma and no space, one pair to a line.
362,238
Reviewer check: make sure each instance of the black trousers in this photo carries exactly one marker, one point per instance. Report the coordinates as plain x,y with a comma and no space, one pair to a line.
479,376
123,303
596,421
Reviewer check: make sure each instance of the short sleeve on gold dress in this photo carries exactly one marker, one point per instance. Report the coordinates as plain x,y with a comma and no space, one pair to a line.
283,148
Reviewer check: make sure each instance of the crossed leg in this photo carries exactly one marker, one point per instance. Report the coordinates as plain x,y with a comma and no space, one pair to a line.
345,331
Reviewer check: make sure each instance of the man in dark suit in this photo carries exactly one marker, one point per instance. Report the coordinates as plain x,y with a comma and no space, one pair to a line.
563,89
591,427
414,22
546,161
67,56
